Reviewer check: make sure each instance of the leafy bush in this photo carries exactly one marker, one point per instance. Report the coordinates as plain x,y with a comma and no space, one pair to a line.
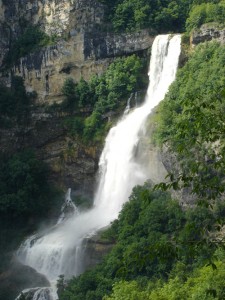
24,189
191,121
204,283
162,16
122,77
105,93
102,95
127,291
152,235
78,95
14,103
205,13
75,126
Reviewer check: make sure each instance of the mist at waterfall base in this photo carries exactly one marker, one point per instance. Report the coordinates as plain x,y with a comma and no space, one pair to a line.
59,251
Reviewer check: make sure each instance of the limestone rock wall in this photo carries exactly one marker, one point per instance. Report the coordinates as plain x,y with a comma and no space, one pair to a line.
71,163
208,32
95,249
83,48
81,56
53,15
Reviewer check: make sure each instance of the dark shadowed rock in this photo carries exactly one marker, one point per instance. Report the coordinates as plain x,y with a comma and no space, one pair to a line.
18,277
208,32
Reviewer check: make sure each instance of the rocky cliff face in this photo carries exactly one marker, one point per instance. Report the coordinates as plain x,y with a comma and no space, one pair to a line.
17,277
84,47
72,164
95,249
68,20
55,16
208,32
80,56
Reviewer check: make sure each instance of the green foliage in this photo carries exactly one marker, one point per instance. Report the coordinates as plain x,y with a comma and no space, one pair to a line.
205,13
154,238
102,95
30,40
127,291
94,127
75,126
161,15
68,91
77,96
161,250
204,283
191,121
122,77
14,103
24,190
26,198
105,93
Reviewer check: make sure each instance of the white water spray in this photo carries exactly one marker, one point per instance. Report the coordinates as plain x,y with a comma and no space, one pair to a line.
68,209
59,251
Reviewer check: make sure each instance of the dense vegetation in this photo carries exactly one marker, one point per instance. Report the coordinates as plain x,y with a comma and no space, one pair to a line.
161,250
102,95
23,178
24,189
162,16
155,241
206,13
159,15
26,198
191,121
14,103
204,283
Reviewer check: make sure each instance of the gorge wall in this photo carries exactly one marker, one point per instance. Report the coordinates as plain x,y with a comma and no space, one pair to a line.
84,45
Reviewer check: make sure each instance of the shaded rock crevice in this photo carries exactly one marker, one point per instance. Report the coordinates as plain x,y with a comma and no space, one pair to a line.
208,32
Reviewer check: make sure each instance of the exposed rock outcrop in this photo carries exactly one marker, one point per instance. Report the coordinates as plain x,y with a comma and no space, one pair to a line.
18,277
84,47
95,249
72,163
82,56
208,32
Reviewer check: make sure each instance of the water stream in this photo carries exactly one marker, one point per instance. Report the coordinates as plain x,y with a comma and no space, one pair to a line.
59,251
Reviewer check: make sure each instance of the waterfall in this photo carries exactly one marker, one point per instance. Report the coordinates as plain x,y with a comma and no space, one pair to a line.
59,250
68,209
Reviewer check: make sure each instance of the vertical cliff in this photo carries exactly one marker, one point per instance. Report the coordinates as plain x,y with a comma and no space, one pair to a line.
80,45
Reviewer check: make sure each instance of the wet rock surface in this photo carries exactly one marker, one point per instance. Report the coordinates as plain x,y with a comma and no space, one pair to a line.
18,277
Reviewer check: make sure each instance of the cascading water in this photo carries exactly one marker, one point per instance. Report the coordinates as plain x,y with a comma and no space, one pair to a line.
68,209
59,251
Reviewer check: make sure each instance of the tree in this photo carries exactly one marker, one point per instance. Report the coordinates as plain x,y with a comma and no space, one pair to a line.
127,291
71,102
191,123
24,190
